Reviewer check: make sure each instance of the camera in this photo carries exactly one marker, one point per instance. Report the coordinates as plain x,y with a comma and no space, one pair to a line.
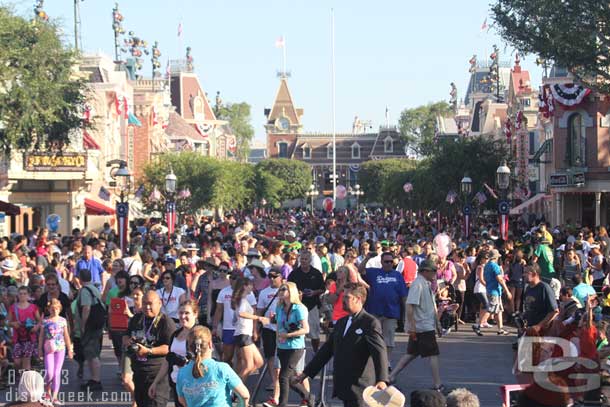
292,327
180,360
133,348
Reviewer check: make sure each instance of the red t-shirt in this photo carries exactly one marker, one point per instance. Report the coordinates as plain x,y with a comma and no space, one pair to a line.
409,271
338,311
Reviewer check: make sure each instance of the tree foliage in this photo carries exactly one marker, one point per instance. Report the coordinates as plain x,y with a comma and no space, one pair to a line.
433,177
573,33
294,178
418,126
40,99
239,118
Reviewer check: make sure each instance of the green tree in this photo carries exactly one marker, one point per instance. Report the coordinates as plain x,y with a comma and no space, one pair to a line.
573,33
239,118
418,126
375,175
40,99
295,177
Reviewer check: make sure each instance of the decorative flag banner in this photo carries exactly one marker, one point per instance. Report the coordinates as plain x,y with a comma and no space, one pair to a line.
179,29
508,133
503,210
467,210
155,195
354,167
104,194
168,70
122,214
280,43
232,144
481,197
491,191
203,129
125,108
451,197
519,120
569,95
154,117
484,26
170,217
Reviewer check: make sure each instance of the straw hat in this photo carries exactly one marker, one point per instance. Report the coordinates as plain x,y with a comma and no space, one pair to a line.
390,397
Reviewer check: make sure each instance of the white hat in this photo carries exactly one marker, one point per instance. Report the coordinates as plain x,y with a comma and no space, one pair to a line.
390,397
8,265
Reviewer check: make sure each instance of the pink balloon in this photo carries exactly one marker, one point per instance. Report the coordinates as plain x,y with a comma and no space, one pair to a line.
341,192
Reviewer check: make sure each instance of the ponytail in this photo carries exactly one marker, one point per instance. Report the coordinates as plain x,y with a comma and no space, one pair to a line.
199,340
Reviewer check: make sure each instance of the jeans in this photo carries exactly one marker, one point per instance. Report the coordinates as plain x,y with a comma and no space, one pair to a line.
288,360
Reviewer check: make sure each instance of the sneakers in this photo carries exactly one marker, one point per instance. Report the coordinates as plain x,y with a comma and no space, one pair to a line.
92,385
486,325
270,403
477,330
447,331
503,332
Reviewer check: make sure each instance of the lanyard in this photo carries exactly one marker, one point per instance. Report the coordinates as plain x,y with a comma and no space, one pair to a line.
163,302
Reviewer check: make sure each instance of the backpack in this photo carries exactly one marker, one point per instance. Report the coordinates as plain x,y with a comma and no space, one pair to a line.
97,315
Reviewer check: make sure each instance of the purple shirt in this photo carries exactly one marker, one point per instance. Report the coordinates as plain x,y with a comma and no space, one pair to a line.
286,270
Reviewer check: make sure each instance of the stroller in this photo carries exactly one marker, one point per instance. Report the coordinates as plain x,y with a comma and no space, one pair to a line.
447,307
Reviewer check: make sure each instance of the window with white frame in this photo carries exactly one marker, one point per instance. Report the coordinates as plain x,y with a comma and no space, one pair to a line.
388,145
306,152
329,151
356,151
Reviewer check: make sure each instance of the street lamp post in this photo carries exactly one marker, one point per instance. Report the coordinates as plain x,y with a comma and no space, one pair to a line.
122,176
170,202
357,192
503,181
466,188
312,193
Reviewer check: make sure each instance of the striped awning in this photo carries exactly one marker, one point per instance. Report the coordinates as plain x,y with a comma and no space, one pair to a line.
533,205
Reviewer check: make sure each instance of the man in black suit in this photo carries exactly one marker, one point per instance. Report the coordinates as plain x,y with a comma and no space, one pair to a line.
360,358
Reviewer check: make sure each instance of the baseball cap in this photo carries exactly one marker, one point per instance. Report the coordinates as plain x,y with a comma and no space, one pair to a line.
291,233
427,265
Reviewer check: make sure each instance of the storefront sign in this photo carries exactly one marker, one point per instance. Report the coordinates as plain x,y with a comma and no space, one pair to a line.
567,180
49,162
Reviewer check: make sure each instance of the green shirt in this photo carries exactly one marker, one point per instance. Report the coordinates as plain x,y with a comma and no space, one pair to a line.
112,293
545,261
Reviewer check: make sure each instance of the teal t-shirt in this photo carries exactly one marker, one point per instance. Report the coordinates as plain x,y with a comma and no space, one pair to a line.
298,313
211,390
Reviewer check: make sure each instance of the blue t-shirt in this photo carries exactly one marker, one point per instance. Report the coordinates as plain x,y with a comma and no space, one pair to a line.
386,292
211,390
582,291
490,272
93,265
298,313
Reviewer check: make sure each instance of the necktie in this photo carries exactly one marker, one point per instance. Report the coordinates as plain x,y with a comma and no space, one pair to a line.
347,325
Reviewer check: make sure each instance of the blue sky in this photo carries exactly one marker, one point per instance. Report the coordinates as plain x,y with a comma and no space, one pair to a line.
396,53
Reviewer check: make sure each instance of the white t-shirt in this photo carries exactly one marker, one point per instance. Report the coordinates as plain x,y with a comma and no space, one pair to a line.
224,298
134,269
170,301
179,348
243,326
374,263
265,297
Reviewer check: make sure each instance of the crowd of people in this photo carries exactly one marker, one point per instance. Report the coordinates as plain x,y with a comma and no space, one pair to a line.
191,316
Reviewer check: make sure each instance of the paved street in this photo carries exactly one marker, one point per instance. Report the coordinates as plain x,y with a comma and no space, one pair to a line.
480,364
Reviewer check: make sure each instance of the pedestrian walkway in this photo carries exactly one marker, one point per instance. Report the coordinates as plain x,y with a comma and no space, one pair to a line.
481,364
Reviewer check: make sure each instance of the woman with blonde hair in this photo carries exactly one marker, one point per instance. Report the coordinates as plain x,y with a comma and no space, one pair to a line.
248,356
292,326
217,378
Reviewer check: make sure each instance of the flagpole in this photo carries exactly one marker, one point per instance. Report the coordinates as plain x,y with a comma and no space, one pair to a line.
332,33
284,55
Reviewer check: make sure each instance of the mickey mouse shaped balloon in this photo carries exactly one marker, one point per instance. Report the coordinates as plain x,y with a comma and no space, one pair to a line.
442,245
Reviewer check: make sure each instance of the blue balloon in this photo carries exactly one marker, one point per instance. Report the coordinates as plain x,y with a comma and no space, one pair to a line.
53,221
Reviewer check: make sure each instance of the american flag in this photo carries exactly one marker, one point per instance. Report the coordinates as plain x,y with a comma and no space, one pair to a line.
451,197
104,194
481,197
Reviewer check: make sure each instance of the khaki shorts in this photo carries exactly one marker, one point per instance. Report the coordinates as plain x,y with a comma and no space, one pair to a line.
388,327
495,304
314,323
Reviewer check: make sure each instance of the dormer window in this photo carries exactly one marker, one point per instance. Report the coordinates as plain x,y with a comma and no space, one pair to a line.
306,152
329,151
282,148
198,111
388,145
356,151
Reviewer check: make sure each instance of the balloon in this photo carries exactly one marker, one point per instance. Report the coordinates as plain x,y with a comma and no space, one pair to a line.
328,204
442,245
407,187
341,192
53,221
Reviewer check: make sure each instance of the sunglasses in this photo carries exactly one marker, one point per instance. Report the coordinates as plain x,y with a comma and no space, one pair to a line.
134,283
274,275
283,289
388,261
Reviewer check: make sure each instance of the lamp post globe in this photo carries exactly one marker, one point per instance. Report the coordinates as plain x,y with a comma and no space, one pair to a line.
170,182
503,176
466,185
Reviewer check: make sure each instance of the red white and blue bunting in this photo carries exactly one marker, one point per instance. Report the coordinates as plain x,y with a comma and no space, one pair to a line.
546,103
569,94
